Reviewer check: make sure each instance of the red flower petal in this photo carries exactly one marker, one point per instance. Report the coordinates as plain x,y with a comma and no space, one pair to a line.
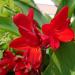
18,73
66,35
31,13
22,42
19,42
54,43
3,62
20,65
29,35
8,55
26,73
22,20
45,40
35,57
46,29
61,16
3,71
26,33
59,21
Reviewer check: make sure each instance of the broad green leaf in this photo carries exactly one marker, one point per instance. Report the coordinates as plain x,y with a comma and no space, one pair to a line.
63,61
71,9
7,25
39,17
2,3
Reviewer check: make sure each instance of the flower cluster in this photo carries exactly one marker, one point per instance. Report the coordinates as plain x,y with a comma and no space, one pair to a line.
30,44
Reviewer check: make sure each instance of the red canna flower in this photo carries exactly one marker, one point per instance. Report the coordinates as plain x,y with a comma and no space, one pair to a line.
27,64
30,40
58,30
27,27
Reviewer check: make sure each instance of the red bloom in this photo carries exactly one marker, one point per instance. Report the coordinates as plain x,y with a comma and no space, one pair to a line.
21,73
30,34
18,73
30,40
59,30
3,71
28,63
7,63
20,66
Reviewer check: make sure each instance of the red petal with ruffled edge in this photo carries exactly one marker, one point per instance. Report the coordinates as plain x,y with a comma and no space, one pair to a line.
31,13
29,35
54,43
35,57
59,20
8,55
20,64
19,42
22,20
60,17
66,35
45,40
46,29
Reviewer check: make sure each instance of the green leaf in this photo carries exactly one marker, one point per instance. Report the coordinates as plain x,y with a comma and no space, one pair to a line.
71,9
57,2
63,61
39,17
73,24
70,3
7,25
8,8
30,2
1,54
